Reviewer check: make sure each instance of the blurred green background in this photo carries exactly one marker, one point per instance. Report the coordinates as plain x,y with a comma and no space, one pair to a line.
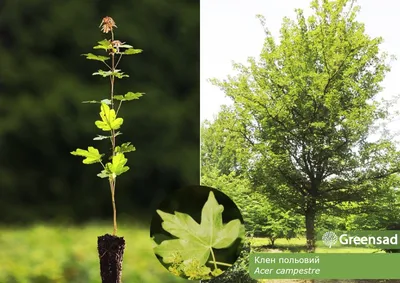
52,207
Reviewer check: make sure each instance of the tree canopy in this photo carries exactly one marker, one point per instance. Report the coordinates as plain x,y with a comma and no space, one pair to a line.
304,111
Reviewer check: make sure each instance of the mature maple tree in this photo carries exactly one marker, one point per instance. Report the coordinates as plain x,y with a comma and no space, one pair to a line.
307,108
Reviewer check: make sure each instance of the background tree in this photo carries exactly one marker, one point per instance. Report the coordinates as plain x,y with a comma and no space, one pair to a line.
221,152
307,108
377,214
225,164
262,218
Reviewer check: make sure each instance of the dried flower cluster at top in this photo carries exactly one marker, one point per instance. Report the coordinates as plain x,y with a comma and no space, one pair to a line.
107,24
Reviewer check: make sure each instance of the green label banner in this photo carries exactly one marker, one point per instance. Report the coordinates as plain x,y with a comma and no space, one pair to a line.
325,266
382,239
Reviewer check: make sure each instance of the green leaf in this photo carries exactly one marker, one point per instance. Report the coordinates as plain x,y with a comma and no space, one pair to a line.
101,137
104,174
196,240
91,155
109,121
91,56
106,101
222,236
227,234
129,96
114,168
125,147
180,225
132,51
126,46
104,44
118,74
102,73
117,166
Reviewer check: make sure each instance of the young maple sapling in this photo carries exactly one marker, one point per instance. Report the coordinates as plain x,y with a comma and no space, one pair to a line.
110,123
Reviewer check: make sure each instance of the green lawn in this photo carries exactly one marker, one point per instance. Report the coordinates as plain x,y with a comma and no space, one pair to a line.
298,245
61,254
51,254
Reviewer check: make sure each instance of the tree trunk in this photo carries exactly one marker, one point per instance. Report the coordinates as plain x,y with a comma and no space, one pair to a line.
310,226
111,252
394,226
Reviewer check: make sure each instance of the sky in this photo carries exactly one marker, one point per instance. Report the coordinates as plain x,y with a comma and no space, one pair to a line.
230,32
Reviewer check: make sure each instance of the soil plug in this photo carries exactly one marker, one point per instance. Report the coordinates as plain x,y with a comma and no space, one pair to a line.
111,252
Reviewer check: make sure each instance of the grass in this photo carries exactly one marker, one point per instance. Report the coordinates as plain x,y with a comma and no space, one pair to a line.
59,254
298,245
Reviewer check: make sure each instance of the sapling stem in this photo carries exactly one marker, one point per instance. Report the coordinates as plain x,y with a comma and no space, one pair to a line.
113,178
119,106
119,59
108,66
112,187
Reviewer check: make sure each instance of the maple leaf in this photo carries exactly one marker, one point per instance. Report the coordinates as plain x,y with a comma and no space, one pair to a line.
129,96
116,167
109,121
91,155
196,241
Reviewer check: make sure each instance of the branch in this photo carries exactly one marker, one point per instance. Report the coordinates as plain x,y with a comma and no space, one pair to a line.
347,184
293,182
